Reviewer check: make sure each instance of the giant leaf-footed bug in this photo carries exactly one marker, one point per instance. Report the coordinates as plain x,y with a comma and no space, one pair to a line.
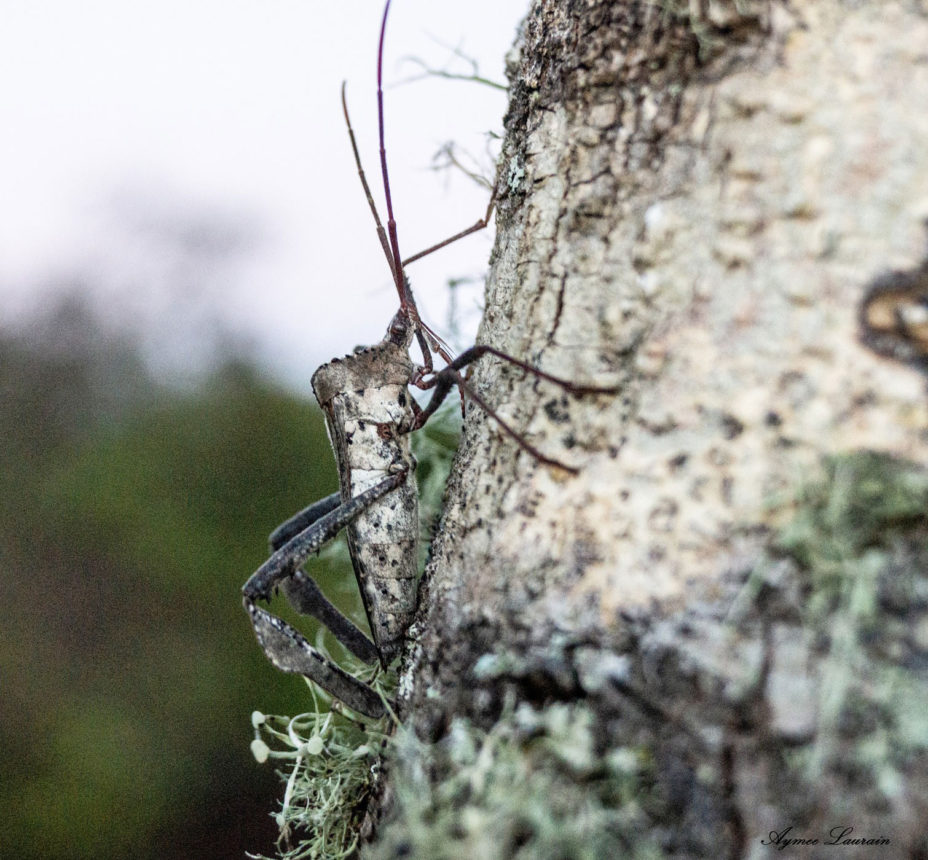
369,414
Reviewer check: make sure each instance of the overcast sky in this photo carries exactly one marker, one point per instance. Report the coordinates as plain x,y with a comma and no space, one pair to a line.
117,112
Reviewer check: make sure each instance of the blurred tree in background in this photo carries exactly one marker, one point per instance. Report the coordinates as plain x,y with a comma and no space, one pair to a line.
130,515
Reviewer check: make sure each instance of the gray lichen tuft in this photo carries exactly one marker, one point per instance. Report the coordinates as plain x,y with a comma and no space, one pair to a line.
859,547
537,784
332,770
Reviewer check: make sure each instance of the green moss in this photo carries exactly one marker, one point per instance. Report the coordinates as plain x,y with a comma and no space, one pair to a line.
859,540
533,786
849,526
864,499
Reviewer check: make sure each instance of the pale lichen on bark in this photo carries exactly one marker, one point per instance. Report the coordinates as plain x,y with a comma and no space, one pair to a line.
695,199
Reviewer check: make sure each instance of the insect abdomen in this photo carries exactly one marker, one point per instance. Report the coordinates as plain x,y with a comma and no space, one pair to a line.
384,544
383,540
368,412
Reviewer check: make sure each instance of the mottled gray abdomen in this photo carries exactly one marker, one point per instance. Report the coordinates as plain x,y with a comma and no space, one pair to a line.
368,427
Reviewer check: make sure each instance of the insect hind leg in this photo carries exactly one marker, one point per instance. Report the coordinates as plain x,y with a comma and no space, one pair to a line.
302,590
286,560
285,646
289,651
288,530
307,598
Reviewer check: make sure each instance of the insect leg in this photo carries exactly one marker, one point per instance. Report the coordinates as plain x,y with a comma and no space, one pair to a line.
448,377
289,651
307,598
284,646
469,356
445,380
303,592
286,560
305,518
479,225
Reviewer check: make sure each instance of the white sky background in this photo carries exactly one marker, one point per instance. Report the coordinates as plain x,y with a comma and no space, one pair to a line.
115,115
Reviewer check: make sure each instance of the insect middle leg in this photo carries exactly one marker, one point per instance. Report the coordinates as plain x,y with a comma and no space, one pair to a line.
286,647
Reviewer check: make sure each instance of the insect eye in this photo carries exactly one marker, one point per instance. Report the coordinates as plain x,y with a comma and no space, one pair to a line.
399,327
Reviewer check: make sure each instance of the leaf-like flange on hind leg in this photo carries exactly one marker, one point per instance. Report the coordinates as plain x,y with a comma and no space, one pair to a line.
289,651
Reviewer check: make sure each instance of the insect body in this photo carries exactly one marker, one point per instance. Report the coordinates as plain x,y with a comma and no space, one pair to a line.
369,414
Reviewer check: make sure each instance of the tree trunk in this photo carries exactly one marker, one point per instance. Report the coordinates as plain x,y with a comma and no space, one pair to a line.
713,637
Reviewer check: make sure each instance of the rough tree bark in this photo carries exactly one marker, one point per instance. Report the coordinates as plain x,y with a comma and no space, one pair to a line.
721,208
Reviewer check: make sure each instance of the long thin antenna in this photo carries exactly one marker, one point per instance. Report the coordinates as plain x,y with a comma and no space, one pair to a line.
427,339
401,284
381,233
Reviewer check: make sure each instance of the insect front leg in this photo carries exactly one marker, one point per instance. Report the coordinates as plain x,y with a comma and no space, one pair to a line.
451,376
286,647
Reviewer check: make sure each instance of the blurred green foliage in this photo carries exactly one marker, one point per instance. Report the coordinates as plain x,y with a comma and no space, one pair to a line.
130,516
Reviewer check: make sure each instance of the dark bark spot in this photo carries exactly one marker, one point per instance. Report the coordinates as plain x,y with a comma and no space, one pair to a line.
677,462
556,411
732,428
